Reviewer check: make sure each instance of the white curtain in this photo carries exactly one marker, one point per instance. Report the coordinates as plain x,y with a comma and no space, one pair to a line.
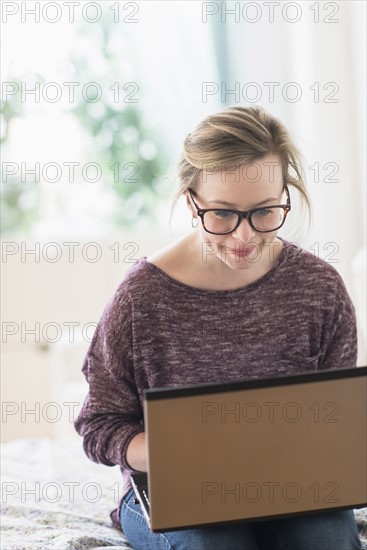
320,55
305,63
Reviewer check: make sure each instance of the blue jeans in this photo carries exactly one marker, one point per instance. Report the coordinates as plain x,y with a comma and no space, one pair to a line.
336,530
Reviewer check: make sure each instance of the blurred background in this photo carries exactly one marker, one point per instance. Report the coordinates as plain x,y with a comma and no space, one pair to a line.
96,102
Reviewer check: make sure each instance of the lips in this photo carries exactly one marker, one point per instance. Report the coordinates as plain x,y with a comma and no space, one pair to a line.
241,252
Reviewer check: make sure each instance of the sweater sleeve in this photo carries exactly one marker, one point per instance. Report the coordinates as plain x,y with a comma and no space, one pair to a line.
339,347
111,414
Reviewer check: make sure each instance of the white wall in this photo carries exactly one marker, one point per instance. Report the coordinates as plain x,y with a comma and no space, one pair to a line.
41,371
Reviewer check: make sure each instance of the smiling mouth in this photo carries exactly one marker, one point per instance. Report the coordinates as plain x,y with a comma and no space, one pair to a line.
242,252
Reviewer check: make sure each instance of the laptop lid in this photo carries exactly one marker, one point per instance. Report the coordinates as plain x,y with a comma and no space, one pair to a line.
259,449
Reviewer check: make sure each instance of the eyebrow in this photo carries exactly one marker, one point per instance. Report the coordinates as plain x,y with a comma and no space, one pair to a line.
234,206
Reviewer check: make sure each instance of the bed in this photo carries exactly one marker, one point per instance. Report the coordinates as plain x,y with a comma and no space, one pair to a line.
71,499
54,497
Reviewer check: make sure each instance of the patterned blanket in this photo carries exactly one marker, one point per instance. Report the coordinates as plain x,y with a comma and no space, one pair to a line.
55,498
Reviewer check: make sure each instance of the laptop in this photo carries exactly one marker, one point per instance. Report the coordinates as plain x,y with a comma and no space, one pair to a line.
254,450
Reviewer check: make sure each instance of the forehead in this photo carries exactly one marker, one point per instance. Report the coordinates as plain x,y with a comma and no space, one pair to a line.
252,182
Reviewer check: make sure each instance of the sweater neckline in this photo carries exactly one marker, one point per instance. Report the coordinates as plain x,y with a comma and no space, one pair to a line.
206,292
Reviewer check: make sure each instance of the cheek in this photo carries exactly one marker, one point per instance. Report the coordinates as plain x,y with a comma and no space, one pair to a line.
214,240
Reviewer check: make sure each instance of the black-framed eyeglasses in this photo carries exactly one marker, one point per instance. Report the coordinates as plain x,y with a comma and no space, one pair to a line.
221,221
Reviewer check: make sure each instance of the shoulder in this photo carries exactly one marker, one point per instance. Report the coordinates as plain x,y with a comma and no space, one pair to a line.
310,261
120,302
306,269
174,261
142,279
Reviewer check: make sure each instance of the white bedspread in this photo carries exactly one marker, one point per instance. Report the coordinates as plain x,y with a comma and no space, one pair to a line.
54,497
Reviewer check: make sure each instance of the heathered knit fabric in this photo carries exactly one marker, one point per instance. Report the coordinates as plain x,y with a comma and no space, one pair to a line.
156,332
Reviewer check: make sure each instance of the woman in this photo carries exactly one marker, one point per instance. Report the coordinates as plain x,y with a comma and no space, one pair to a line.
229,301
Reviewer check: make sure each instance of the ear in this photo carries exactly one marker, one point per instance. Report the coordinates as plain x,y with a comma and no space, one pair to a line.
189,205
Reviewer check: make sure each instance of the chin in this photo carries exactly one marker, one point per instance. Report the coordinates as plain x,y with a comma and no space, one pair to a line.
237,262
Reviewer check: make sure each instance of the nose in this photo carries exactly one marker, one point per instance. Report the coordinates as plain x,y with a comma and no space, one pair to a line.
244,231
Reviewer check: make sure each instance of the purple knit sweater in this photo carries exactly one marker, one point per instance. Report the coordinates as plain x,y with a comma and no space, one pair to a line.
156,331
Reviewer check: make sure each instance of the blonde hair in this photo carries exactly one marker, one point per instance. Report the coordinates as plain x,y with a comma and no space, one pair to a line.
238,136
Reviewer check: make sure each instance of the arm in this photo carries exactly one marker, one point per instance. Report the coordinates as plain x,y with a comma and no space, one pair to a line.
111,415
339,342
136,453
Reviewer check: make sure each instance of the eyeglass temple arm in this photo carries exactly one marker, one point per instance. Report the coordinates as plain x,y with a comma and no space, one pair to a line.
193,203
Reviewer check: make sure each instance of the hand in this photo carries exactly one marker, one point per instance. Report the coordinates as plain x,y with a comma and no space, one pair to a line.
136,455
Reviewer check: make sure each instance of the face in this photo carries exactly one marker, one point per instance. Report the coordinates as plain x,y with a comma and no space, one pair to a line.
254,185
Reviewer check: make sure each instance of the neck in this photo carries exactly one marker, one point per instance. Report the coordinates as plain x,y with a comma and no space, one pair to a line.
214,269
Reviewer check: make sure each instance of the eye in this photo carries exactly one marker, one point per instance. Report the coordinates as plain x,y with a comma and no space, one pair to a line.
264,212
222,213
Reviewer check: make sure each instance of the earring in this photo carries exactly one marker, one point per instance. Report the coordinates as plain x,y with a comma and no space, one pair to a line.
192,222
